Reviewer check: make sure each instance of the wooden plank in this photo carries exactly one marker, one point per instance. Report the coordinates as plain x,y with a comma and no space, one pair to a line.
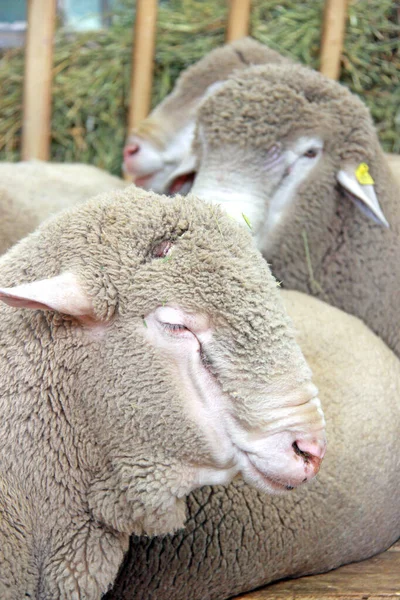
36,124
142,61
238,19
374,579
332,37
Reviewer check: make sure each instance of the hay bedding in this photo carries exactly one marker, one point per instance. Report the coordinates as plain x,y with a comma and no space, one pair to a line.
92,70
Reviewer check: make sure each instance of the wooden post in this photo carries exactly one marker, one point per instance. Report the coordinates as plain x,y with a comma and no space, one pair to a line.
238,19
37,79
332,37
142,61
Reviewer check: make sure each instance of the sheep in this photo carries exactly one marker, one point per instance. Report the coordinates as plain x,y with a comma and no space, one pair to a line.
237,539
144,353
297,155
394,164
31,191
156,147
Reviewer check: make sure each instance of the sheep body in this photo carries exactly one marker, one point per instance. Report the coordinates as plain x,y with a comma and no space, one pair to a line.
252,142
103,430
394,164
32,191
237,539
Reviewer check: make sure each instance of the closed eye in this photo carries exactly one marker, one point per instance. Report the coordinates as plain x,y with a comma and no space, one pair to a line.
174,328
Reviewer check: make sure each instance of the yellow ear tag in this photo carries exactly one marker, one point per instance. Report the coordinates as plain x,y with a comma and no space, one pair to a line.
363,175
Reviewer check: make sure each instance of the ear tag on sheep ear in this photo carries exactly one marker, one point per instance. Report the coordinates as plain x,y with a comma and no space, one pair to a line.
363,175
362,194
62,293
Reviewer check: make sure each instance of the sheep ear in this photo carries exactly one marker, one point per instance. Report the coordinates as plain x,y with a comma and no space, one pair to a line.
62,294
358,186
214,87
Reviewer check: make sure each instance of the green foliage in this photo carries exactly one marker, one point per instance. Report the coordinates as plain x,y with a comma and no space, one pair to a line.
92,70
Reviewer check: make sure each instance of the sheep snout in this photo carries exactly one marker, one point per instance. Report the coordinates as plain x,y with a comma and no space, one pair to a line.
141,160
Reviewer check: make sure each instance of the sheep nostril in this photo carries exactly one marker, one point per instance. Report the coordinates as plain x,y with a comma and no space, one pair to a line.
306,456
310,452
130,150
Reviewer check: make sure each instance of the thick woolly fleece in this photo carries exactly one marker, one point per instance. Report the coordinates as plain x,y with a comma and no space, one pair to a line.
94,433
394,163
237,539
179,107
32,191
355,262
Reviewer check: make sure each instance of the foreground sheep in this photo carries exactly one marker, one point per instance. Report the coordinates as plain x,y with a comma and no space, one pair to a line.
298,155
237,539
153,357
31,191
156,148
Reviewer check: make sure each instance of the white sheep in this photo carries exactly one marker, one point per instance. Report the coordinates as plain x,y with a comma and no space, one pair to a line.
146,354
156,148
237,539
297,155
33,190
394,164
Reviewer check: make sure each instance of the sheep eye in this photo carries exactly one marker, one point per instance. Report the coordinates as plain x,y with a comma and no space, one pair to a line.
174,327
162,249
310,153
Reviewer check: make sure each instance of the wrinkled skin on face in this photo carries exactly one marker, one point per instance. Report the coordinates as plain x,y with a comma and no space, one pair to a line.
147,353
156,148
298,155
237,539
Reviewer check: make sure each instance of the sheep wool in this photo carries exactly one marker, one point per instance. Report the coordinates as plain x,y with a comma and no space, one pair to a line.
156,147
144,352
394,164
237,539
216,66
298,154
32,191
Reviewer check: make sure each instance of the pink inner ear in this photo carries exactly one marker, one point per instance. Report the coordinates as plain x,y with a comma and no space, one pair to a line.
22,303
62,293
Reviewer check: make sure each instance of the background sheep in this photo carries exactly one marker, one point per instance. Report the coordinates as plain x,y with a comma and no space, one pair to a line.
237,539
157,146
31,191
156,357
394,164
290,150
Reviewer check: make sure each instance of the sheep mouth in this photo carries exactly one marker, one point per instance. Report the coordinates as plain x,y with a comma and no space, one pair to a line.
253,476
144,180
184,181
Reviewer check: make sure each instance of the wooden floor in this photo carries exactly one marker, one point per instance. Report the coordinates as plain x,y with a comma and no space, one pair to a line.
375,579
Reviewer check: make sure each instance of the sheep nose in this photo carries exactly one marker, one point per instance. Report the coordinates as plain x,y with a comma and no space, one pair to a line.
130,150
312,453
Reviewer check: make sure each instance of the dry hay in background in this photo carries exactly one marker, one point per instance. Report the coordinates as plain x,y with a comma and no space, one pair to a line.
92,70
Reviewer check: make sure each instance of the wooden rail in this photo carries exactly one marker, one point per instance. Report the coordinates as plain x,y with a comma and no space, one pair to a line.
238,19
142,61
332,37
39,57
37,79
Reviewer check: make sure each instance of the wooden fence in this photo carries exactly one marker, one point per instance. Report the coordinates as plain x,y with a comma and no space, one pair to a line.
39,61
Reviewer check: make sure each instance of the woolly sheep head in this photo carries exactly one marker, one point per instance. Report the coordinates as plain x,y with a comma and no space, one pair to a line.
181,353
275,142
156,148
